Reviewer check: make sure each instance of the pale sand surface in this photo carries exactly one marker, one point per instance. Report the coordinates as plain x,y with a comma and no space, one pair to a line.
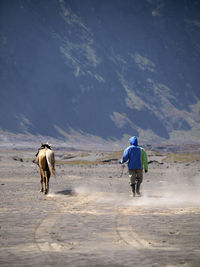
90,219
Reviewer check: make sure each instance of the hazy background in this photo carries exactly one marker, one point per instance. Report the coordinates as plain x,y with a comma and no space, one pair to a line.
108,69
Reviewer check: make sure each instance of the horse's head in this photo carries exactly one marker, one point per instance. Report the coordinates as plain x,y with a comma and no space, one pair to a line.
47,145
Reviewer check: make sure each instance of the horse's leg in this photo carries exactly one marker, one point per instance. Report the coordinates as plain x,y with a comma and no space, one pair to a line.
47,180
45,184
41,180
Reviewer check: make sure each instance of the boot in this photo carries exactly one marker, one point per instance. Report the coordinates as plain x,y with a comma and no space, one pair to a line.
138,189
133,189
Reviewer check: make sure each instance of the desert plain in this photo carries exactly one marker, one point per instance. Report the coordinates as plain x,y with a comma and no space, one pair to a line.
89,217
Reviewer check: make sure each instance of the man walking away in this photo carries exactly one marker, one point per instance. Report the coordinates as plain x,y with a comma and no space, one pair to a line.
137,161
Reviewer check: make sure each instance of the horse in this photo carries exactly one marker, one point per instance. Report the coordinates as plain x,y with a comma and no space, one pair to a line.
45,159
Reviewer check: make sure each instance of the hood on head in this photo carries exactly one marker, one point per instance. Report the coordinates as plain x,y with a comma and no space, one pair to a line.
133,141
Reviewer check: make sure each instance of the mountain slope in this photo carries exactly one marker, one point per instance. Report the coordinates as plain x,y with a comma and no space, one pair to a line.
105,68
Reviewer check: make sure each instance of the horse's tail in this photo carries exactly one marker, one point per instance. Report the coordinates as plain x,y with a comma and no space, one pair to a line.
51,161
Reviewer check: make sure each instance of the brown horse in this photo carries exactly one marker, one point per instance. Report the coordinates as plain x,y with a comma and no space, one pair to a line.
46,162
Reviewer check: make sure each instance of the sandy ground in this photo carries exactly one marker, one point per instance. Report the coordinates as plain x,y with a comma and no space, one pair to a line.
89,217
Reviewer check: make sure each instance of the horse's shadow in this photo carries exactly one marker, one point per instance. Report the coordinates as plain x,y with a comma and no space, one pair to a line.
66,192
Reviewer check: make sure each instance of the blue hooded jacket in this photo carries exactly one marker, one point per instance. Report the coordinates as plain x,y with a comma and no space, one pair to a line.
136,155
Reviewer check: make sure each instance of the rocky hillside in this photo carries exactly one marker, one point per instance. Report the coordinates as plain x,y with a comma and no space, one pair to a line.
104,68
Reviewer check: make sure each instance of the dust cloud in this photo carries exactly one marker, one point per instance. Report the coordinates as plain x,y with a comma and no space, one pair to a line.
168,187
171,189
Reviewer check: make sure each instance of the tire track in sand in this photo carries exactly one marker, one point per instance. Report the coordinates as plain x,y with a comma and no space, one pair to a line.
126,233
48,240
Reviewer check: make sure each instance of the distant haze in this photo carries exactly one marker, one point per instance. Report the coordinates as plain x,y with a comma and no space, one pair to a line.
104,68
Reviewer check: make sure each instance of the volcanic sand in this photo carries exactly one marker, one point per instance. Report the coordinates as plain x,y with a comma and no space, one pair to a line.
89,217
